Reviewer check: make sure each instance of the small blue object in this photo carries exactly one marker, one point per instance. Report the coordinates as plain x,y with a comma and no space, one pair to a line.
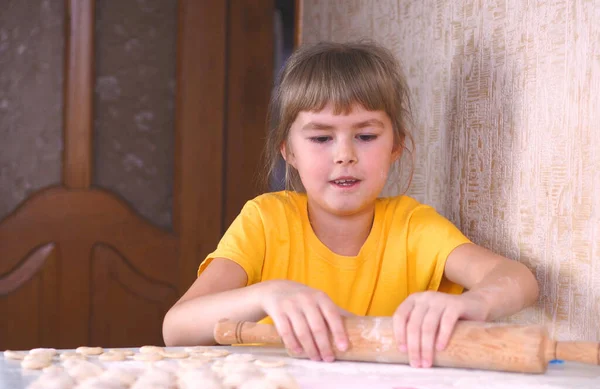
556,362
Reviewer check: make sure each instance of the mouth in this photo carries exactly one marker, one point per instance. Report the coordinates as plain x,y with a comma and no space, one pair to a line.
345,182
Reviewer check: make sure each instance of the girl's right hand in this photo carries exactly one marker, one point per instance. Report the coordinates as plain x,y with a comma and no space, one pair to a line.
304,317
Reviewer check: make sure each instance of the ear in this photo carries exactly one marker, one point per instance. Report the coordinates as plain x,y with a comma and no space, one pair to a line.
287,154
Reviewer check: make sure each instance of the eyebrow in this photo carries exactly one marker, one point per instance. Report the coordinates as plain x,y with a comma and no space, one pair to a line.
324,126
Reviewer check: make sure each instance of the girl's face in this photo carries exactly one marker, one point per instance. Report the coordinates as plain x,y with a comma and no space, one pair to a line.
343,160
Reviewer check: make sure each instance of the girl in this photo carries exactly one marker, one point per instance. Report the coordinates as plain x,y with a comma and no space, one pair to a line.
329,246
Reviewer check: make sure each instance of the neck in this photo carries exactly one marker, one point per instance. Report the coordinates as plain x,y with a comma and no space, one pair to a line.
344,235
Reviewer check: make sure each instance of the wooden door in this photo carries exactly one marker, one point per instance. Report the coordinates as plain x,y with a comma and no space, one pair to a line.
77,265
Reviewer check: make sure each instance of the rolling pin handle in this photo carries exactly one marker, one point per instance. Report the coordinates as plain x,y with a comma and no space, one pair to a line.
584,352
225,332
228,332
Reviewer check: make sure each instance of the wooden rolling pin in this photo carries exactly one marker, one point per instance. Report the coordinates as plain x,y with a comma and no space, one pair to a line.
473,345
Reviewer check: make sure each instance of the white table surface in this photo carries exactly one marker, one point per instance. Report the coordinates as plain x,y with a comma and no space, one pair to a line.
350,375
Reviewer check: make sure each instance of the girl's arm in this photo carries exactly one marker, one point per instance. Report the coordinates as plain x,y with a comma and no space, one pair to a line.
505,286
217,293
304,317
496,287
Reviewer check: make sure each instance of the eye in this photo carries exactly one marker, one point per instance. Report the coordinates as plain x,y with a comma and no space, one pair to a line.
320,139
367,137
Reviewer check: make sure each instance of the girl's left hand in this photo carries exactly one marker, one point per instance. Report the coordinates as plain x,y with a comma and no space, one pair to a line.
424,315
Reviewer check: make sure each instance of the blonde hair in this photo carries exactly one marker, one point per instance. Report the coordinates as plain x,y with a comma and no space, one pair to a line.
341,74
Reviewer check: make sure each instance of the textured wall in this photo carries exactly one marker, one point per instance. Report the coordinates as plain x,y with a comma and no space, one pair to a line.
31,77
507,100
134,103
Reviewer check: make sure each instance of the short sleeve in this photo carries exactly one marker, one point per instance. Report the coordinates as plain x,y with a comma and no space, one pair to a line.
243,243
431,238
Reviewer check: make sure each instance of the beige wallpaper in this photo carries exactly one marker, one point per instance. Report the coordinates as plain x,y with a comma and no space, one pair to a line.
507,100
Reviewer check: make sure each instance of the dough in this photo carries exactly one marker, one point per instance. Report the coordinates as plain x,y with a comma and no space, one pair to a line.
53,380
72,362
46,357
206,384
128,353
217,366
270,362
151,386
236,367
193,363
197,349
148,357
215,353
282,379
112,356
155,377
82,370
125,376
168,366
15,355
101,383
35,363
89,350
53,369
69,355
151,349
192,379
174,354
258,383
49,351
200,357
240,358
196,375
237,379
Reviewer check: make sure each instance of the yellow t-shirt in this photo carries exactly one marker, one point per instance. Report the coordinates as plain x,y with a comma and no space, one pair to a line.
405,252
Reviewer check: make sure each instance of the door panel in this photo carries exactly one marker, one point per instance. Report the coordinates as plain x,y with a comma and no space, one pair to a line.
31,94
84,237
78,265
117,287
33,281
251,63
135,58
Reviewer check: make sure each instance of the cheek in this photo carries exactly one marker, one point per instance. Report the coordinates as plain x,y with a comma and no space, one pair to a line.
378,159
380,164
384,175
310,155
312,168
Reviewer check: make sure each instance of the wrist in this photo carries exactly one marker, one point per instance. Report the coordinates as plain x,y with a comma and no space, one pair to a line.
271,286
262,290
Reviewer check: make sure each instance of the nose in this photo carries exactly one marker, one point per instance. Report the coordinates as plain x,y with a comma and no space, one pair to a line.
345,153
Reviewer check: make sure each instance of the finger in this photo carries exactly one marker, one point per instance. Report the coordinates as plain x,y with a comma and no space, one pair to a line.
413,334
429,330
335,323
447,324
399,321
343,312
303,333
320,332
286,332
